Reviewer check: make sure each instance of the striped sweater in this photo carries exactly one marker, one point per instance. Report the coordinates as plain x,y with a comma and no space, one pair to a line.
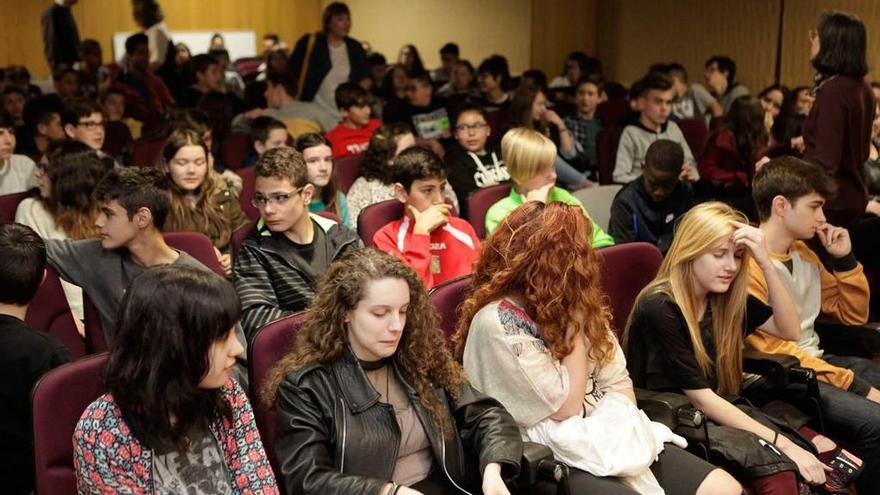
269,285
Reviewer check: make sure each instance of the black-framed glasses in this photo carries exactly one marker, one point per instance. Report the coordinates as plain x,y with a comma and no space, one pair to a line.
91,126
471,127
279,198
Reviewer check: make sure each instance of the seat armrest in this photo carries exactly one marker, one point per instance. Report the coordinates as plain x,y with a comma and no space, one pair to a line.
538,464
671,409
775,368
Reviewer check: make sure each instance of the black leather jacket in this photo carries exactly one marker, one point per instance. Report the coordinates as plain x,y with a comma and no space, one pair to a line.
335,437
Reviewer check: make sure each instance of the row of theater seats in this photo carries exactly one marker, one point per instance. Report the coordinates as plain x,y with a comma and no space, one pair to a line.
61,396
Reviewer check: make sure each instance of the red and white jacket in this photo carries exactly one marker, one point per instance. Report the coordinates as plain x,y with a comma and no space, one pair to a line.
449,252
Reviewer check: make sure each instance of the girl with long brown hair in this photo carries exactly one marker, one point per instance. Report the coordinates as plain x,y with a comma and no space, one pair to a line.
200,202
371,400
535,334
317,152
685,334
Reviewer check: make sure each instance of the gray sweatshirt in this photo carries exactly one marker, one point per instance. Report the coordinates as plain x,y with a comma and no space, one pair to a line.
633,147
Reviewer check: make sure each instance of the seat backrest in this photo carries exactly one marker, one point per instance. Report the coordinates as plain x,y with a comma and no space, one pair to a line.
597,201
626,270
59,399
8,205
270,344
247,66
95,341
146,152
196,245
248,180
235,149
49,312
117,136
347,169
479,203
606,152
611,111
695,133
447,298
376,216
238,238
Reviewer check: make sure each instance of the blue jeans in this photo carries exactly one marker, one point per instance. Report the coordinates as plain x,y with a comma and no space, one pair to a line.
567,175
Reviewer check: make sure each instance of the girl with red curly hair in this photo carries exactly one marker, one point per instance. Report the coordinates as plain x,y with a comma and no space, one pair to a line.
535,335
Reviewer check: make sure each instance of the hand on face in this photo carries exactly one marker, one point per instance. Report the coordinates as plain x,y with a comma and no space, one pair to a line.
753,239
688,173
434,216
835,240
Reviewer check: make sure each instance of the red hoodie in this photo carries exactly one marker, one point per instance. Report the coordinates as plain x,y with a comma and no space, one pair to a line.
347,141
449,252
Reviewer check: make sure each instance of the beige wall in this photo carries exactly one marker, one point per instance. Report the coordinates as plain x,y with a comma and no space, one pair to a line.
480,28
21,40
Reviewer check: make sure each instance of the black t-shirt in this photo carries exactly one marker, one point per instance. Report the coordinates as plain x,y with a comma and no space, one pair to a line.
430,122
25,356
311,258
465,176
660,354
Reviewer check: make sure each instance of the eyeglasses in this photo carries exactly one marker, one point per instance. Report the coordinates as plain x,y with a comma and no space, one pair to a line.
274,198
471,127
90,125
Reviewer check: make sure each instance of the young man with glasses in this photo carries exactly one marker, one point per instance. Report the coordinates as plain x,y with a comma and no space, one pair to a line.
282,258
472,164
83,121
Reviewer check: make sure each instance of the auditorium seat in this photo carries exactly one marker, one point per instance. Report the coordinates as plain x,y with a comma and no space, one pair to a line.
626,270
146,152
597,200
59,399
8,205
248,178
348,169
270,344
695,133
49,312
235,150
606,152
447,298
117,137
196,245
376,216
479,203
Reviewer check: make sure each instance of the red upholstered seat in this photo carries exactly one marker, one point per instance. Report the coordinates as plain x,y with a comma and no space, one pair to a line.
626,270
348,169
376,216
695,133
49,312
59,399
8,205
196,245
447,298
248,179
479,203
146,152
270,344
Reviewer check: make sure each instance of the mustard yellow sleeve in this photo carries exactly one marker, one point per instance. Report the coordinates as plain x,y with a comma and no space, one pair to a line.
845,293
841,378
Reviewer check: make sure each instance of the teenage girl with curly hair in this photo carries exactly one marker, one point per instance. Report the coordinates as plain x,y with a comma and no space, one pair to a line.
371,401
535,334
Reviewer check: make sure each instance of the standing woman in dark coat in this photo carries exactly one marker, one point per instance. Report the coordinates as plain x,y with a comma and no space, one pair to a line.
837,132
329,58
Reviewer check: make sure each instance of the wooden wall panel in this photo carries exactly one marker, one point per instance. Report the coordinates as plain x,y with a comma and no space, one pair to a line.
636,33
560,27
21,41
479,28
803,15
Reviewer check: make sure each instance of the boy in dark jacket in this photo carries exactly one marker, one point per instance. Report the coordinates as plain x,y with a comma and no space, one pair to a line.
646,209
282,258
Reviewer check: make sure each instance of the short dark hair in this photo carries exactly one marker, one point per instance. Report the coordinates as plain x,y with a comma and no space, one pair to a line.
376,58
8,90
332,10
283,163
262,126
725,64
350,94
78,109
600,86
495,66
678,71
449,49
665,156
168,320
41,110
271,36
219,52
842,45
791,178
470,106
653,81
132,42
417,163
63,71
135,188
283,80
201,63
89,46
422,77
22,263
536,75
74,170
6,121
